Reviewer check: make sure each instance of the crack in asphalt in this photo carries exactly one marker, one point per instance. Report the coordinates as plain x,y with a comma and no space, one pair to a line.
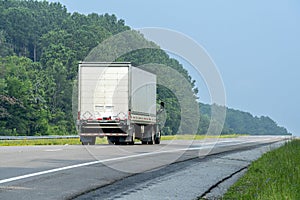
235,159
222,181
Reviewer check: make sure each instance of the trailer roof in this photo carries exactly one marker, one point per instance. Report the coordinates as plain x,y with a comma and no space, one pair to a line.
97,64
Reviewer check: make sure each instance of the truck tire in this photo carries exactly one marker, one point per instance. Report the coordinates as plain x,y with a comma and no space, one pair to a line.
132,136
110,141
88,140
157,139
132,141
152,139
117,141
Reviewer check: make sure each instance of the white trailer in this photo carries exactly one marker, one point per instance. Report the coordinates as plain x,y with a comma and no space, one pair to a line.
118,101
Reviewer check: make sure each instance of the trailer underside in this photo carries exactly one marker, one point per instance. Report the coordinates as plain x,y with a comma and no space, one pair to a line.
118,132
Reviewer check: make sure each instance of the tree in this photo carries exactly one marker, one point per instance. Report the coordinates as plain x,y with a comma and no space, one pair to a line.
5,49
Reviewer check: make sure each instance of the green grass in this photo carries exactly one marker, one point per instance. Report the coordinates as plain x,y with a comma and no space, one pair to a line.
76,141
25,142
276,175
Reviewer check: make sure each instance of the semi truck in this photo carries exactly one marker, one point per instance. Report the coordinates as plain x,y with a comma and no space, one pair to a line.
118,101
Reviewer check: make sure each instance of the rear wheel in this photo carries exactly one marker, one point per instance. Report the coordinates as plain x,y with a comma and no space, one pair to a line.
157,138
132,139
144,142
88,140
152,140
110,140
113,140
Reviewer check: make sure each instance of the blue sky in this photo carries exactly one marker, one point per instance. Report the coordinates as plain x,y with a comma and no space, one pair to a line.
255,45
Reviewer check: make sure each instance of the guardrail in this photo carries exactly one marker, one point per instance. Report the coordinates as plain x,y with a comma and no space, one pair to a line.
38,137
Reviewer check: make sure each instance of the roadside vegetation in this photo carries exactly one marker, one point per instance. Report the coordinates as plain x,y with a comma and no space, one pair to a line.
26,142
76,141
276,175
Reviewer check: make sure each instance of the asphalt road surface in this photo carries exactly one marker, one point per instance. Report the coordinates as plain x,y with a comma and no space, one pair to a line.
108,171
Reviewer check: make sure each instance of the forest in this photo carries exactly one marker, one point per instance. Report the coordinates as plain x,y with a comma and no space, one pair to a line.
41,44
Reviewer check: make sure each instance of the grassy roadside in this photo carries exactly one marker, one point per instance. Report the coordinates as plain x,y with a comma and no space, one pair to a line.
276,175
25,142
76,141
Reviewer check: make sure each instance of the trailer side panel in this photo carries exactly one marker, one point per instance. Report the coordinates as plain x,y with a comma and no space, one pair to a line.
143,96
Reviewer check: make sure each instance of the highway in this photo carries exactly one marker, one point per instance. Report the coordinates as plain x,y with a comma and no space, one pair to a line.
71,171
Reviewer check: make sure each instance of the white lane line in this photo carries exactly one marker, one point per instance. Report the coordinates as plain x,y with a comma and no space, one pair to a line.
53,150
103,147
98,162
91,163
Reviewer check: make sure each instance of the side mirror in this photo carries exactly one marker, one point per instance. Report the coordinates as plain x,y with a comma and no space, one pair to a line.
162,108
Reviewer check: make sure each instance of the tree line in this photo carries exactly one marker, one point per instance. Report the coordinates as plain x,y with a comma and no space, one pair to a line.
240,122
